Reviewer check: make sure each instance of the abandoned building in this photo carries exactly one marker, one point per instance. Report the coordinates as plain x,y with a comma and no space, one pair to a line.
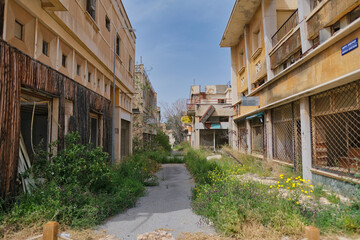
56,77
146,120
297,61
211,114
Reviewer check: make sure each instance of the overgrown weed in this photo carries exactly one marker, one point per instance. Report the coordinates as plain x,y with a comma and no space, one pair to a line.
233,204
79,188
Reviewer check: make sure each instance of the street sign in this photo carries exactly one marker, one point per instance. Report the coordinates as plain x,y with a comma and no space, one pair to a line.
349,47
186,119
250,101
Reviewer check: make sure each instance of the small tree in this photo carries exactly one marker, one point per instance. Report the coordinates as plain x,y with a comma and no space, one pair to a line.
172,115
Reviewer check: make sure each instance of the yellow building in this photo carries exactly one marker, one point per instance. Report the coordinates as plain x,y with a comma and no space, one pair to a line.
57,76
295,72
210,113
146,120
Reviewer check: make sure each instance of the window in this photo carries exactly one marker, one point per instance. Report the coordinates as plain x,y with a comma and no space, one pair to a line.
45,48
242,81
94,130
107,23
118,45
89,76
241,60
78,69
106,86
354,14
19,29
91,7
335,27
221,100
130,62
63,60
98,83
256,40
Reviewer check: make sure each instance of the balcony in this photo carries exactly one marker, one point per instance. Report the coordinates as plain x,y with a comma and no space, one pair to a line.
191,103
288,25
327,13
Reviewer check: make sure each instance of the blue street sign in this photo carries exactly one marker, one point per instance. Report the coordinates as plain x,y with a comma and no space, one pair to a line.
349,47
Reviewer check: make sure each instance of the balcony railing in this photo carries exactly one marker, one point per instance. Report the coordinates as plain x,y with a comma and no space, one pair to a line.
289,24
192,102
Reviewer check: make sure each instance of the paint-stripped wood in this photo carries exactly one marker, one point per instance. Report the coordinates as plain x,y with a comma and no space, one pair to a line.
18,70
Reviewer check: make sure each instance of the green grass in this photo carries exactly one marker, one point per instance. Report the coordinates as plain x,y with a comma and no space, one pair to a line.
232,204
79,188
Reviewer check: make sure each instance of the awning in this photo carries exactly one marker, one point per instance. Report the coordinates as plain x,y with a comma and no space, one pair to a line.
258,115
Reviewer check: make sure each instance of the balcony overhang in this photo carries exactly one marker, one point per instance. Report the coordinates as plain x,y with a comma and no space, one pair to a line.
241,15
53,5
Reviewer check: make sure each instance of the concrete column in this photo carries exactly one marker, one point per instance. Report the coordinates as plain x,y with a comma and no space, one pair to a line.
247,53
54,122
197,138
214,136
306,137
269,135
268,8
234,90
234,134
36,37
57,53
248,139
117,150
303,11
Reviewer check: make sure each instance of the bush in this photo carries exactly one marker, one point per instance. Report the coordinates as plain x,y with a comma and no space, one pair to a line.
78,187
232,205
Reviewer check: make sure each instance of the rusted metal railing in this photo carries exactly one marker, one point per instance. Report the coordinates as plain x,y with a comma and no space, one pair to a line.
289,24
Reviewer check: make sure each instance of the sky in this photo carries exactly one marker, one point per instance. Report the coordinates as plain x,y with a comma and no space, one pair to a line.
178,41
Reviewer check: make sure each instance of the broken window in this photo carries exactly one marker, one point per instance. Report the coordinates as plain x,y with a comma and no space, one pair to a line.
34,123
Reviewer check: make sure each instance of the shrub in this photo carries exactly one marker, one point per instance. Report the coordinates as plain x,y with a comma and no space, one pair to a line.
233,204
78,187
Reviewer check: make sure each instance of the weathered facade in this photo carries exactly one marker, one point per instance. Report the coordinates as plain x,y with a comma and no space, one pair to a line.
211,114
56,77
146,112
301,60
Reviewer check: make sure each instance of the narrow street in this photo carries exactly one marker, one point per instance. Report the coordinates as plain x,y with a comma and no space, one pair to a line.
166,206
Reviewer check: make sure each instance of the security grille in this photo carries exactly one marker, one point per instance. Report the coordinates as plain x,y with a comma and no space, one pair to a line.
335,119
243,137
257,135
287,133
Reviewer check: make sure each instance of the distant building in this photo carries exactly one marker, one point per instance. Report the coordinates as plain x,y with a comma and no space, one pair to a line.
300,59
211,114
169,133
57,77
146,112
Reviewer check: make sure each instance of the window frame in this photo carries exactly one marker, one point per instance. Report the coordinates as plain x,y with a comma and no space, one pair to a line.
21,25
91,8
63,60
45,48
107,23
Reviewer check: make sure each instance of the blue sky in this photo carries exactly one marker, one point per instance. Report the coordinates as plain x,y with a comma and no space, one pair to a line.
179,42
